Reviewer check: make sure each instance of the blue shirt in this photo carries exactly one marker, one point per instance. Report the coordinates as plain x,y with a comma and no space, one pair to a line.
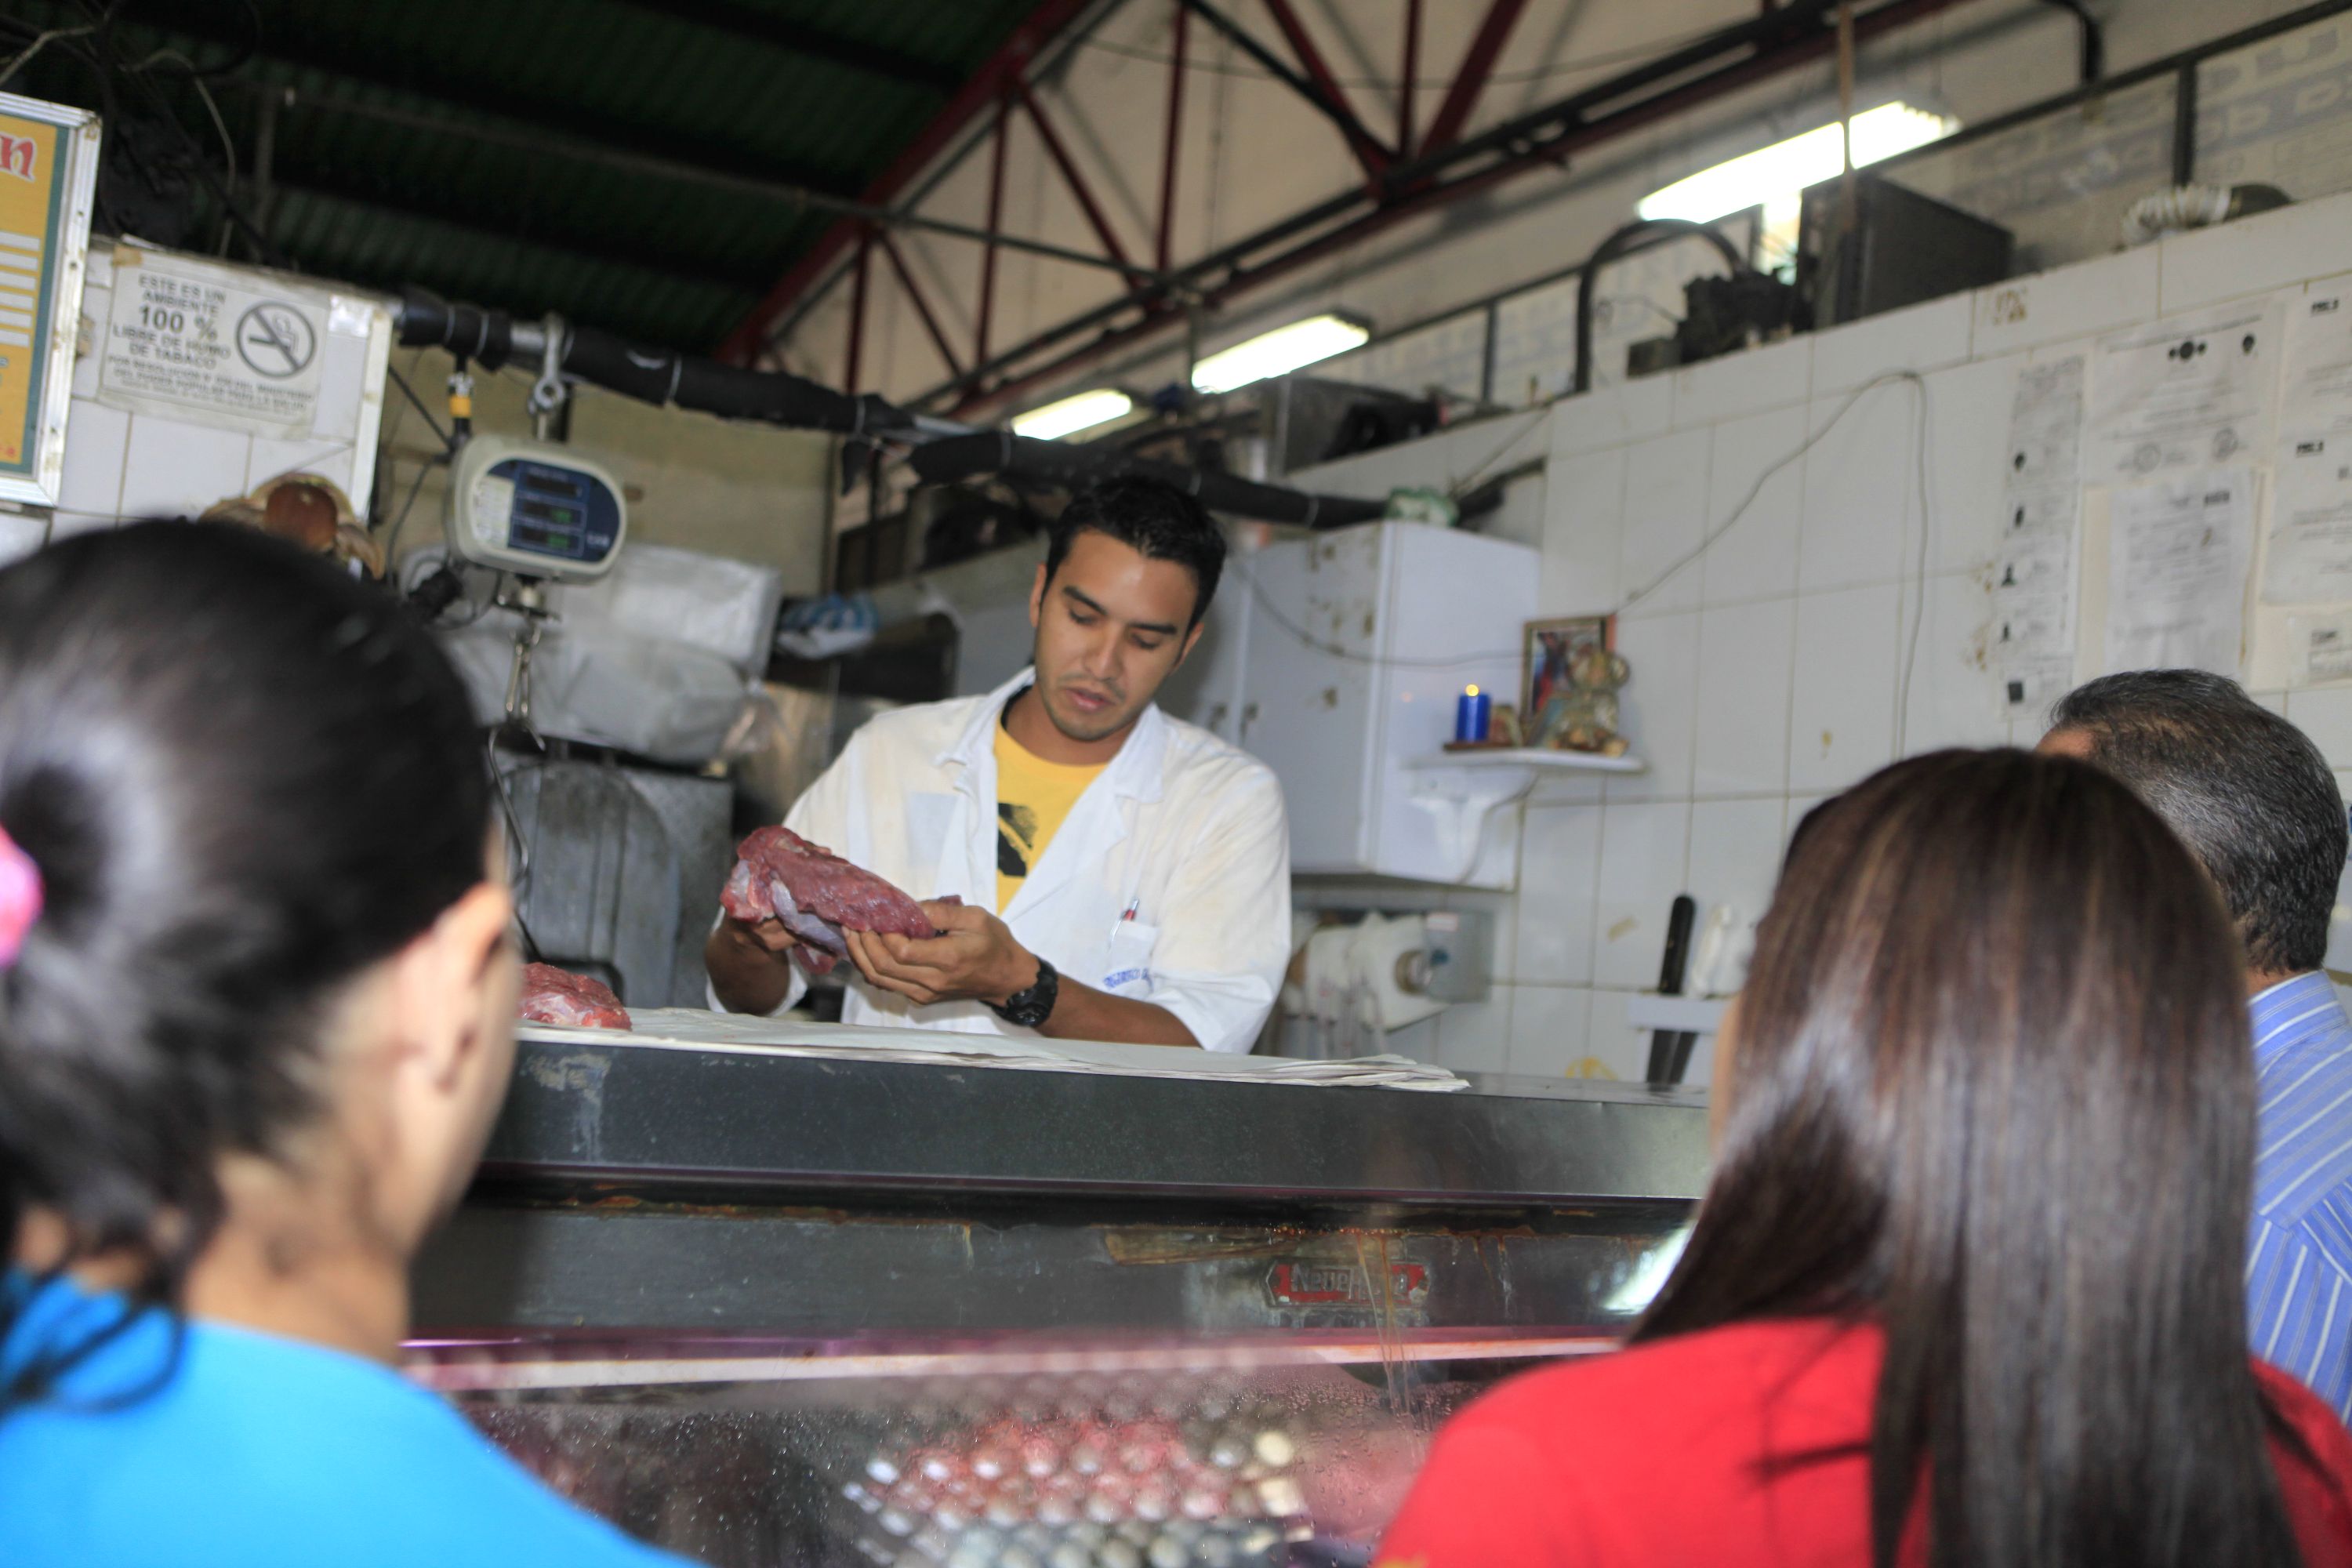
258,1452
2299,1268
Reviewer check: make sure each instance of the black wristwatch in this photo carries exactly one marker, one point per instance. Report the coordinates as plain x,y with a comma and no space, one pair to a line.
1029,1008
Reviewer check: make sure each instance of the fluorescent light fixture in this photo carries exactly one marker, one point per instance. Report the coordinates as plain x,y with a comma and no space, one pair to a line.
1072,414
1777,173
1279,351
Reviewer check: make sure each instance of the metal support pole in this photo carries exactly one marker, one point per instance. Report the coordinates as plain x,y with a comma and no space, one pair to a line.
2184,126
849,383
1368,153
1168,152
1070,175
1477,65
995,225
265,160
1408,83
915,297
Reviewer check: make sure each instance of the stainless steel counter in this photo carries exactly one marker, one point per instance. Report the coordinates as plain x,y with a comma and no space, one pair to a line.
679,1189
827,1314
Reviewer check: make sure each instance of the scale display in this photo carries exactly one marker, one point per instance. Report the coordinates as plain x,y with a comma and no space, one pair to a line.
534,510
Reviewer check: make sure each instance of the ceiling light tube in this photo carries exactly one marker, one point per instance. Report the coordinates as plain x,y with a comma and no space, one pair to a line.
1071,414
1785,168
1279,351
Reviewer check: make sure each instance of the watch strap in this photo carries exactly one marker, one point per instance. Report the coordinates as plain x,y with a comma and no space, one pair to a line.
1029,1006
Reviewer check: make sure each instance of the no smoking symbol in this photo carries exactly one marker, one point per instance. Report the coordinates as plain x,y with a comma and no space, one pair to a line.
276,340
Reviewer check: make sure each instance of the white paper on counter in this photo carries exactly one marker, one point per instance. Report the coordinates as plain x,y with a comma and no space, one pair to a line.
676,1028
2179,552
2309,559
2318,395
2190,392
2319,648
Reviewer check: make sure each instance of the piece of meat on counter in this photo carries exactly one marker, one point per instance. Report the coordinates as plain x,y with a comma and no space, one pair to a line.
553,996
816,894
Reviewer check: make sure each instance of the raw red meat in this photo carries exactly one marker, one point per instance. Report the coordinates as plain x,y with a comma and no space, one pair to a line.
553,996
815,893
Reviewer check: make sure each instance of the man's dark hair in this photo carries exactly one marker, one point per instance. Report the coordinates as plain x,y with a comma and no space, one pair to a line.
1156,520
2247,790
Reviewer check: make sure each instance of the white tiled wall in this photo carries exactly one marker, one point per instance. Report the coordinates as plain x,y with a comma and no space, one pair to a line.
124,466
1812,642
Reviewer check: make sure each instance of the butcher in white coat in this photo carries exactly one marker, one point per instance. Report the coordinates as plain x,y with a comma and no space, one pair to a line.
1123,874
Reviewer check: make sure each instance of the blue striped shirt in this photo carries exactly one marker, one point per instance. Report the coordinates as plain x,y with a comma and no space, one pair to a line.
2299,1270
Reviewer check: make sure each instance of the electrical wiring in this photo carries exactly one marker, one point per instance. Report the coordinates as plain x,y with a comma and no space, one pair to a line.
448,442
1766,477
391,539
1469,481
1275,612
40,41
196,80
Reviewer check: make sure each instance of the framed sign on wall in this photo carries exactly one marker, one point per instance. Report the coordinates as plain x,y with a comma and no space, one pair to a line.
48,168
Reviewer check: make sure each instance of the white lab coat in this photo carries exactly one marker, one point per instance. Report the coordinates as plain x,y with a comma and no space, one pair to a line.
1182,834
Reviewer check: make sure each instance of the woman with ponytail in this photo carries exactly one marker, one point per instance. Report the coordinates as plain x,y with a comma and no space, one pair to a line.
257,993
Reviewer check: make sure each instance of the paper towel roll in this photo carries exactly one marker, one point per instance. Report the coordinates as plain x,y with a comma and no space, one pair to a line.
1373,964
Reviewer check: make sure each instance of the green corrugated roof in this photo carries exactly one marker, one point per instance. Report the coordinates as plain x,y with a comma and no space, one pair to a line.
821,93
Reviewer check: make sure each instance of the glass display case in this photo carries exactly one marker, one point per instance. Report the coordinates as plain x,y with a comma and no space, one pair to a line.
768,1312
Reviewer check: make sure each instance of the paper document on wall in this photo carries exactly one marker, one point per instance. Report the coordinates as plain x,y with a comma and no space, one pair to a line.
2309,559
2319,393
2032,636
2178,555
2190,392
2319,648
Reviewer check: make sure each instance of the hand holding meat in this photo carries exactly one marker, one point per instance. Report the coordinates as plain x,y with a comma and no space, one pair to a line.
814,896
975,957
553,996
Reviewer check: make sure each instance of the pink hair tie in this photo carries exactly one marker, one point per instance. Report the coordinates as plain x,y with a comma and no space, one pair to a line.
20,897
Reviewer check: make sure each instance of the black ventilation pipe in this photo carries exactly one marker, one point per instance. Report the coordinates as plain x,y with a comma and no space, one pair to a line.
659,376
942,452
954,457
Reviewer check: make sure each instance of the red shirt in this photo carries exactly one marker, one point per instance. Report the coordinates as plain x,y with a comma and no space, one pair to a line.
1651,1455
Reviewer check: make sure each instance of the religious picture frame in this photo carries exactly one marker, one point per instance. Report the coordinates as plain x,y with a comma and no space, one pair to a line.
1549,650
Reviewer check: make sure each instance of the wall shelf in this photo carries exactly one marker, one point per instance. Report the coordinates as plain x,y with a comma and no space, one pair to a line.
1463,789
1540,758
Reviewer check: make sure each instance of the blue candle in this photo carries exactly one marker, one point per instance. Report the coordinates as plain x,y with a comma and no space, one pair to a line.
1473,710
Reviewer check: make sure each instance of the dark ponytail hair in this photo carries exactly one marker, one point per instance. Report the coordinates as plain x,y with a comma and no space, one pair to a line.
1991,1089
244,778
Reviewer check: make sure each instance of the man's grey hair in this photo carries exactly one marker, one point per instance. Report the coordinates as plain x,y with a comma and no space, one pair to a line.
2244,789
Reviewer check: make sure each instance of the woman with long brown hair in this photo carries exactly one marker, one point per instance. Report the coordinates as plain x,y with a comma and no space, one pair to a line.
1965,1288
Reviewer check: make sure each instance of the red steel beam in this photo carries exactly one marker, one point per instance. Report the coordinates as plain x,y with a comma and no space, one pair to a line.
1368,153
1158,313
1406,87
1009,63
857,311
915,297
1070,175
995,222
1477,64
1175,124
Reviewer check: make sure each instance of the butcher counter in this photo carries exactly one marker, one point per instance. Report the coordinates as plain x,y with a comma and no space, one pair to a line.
774,1309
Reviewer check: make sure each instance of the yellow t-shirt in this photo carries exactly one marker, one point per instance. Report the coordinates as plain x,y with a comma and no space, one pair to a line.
1033,797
